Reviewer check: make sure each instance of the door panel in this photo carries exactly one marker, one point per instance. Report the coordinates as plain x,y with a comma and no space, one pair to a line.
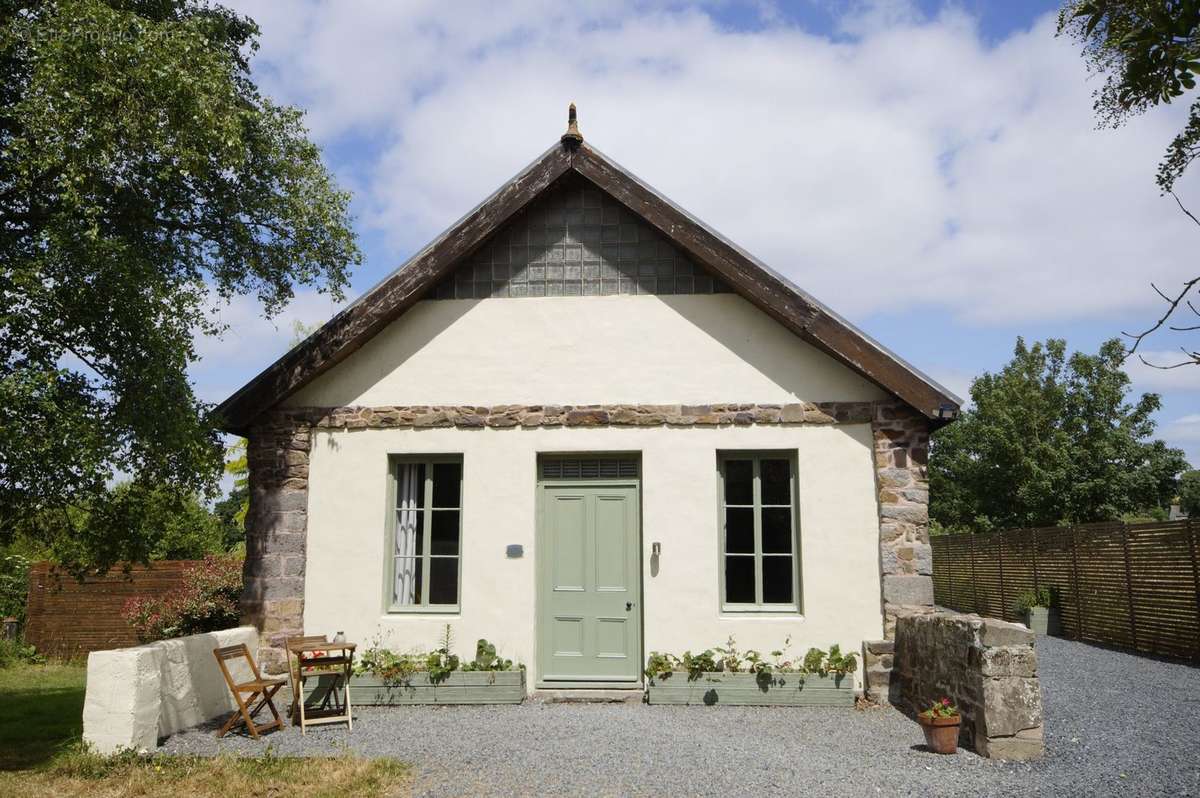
568,519
589,618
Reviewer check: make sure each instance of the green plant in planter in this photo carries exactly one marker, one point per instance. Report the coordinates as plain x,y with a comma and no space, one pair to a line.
942,708
486,659
1028,599
389,666
661,666
833,661
697,665
731,658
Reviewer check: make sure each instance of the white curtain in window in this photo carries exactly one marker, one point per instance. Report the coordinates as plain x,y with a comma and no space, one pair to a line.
406,561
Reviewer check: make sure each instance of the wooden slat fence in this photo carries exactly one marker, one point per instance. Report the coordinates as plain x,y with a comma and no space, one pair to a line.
1135,586
68,618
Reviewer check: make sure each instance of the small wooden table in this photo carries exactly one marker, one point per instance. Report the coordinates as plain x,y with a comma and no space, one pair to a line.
337,660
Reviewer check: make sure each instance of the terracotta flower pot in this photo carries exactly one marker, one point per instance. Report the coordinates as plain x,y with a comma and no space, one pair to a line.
941,734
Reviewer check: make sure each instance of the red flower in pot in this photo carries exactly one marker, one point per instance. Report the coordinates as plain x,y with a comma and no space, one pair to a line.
940,723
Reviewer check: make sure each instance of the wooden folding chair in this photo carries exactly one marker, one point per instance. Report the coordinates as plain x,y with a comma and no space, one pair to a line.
294,673
258,686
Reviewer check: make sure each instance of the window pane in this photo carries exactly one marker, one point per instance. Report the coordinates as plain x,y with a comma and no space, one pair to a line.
444,532
447,481
776,481
776,530
777,580
406,587
739,530
443,580
739,482
739,580
410,533
410,485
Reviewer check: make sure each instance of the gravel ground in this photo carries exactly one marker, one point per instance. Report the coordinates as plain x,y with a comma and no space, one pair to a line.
1116,724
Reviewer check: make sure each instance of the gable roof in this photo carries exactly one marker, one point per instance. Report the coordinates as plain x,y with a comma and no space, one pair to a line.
795,309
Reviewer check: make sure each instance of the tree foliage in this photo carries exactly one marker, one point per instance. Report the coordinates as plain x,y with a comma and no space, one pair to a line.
163,523
1051,439
1149,53
144,181
1189,493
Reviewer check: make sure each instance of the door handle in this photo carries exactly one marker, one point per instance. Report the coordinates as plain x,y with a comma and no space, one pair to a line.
628,606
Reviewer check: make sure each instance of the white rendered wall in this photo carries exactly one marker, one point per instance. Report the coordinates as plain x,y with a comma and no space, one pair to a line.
585,350
839,534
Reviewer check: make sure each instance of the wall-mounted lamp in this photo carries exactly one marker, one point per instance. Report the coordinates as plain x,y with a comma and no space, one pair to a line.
947,412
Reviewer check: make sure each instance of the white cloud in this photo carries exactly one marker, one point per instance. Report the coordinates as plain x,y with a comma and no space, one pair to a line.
252,342
904,165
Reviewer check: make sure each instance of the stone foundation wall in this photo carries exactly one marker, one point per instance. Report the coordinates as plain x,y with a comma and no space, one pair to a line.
987,667
276,525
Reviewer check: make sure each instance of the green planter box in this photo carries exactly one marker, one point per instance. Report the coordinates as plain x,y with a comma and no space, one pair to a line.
747,689
460,687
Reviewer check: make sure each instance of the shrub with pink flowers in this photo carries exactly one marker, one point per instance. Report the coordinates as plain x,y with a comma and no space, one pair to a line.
207,601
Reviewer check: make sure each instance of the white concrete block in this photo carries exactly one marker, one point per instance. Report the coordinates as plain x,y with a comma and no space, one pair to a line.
136,696
120,709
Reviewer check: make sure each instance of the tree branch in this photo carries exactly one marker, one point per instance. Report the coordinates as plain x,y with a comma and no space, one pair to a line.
1172,305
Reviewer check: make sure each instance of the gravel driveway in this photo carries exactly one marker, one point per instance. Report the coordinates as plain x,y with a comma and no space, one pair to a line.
1116,725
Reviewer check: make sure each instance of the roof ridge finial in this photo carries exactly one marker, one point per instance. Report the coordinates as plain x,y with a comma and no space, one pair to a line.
572,137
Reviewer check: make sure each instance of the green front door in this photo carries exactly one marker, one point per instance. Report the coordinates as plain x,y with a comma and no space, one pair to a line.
589,565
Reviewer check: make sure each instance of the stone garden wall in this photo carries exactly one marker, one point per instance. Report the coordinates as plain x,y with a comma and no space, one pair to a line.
987,667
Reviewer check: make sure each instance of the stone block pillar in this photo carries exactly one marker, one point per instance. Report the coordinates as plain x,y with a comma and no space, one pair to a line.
987,667
905,556
276,529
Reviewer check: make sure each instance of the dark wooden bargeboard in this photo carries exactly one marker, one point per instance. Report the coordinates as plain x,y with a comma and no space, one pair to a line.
747,689
1135,586
68,618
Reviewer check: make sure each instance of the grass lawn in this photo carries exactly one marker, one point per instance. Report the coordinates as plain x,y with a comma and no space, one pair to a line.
42,713
41,753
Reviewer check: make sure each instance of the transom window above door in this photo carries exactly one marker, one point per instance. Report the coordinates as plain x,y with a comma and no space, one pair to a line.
759,541
425,535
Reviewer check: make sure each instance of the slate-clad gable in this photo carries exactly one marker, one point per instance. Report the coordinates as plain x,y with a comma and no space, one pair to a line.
576,240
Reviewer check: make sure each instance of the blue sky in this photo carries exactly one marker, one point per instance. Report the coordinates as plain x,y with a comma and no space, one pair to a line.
931,170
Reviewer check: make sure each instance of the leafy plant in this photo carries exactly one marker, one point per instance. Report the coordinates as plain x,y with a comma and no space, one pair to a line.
728,659
697,665
661,666
439,663
942,708
387,665
14,586
14,652
486,659
1028,599
207,601
839,663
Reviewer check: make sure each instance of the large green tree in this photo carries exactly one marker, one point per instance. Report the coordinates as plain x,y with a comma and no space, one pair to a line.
1148,52
144,181
1050,439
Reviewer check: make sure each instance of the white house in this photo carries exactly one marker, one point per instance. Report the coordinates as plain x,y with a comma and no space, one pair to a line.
583,425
